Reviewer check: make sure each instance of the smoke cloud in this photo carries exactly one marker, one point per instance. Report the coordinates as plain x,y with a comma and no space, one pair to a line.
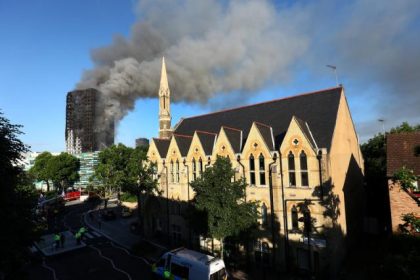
216,47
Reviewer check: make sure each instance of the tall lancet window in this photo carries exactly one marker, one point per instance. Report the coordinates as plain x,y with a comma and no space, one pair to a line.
295,222
264,214
252,170
194,169
172,172
304,169
177,171
262,169
200,165
292,171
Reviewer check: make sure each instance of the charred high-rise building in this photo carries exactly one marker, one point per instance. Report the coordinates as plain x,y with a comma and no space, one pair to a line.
81,133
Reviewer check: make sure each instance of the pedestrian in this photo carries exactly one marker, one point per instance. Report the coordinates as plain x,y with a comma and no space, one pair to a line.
82,231
56,240
62,239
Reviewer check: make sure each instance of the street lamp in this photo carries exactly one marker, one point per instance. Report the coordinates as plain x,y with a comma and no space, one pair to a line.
383,125
334,68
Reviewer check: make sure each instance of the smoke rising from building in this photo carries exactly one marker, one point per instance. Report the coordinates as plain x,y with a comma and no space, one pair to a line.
223,46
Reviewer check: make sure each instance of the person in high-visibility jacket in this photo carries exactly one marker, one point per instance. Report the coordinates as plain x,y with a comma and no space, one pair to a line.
57,240
78,236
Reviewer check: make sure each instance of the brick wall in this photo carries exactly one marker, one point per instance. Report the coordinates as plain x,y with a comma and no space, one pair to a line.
401,203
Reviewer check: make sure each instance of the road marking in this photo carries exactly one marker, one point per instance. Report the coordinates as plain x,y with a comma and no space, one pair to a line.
128,253
44,264
95,233
111,261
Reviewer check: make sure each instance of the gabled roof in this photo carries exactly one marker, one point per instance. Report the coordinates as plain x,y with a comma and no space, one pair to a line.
267,134
162,146
183,143
207,140
235,138
305,129
400,151
319,109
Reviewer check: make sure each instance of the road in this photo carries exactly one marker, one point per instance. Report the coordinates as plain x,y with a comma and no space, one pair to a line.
100,259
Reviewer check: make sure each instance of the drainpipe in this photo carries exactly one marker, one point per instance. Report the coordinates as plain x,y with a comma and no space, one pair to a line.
167,202
238,159
188,196
321,187
286,235
270,182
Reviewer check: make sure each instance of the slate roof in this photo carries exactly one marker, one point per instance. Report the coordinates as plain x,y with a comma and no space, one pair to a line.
235,138
183,142
400,152
162,146
266,133
318,109
207,140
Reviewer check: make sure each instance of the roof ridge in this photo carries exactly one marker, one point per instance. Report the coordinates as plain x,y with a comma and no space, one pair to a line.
265,102
231,128
160,139
206,132
182,135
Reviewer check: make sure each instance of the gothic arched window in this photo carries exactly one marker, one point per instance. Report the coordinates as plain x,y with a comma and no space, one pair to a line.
252,170
304,169
292,171
264,214
194,169
200,165
172,172
262,169
295,222
177,171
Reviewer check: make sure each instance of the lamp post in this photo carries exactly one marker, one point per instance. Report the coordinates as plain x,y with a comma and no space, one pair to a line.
383,125
334,68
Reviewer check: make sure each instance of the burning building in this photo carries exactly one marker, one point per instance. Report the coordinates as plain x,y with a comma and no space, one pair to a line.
81,133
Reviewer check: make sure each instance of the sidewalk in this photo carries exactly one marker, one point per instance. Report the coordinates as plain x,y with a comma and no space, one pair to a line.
118,231
47,245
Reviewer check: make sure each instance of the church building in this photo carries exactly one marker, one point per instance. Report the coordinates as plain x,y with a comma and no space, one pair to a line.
301,159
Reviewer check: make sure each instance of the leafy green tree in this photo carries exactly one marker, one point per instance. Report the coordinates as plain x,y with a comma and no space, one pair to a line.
140,171
63,170
17,199
224,201
405,177
111,171
41,170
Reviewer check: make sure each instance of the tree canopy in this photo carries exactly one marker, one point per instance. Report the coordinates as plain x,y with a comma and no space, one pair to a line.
17,200
40,170
224,201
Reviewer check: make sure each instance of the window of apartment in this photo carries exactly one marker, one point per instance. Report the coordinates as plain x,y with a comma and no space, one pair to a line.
292,171
172,172
304,169
177,171
252,170
194,168
262,169
295,222
264,214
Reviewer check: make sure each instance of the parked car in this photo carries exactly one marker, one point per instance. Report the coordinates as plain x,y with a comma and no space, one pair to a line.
126,212
108,215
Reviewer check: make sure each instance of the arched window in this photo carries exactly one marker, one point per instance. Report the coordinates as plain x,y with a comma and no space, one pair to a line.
264,214
292,171
262,169
252,170
200,165
177,171
172,172
194,168
304,169
295,222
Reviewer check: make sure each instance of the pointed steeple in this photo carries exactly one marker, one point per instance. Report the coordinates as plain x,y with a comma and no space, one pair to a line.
164,104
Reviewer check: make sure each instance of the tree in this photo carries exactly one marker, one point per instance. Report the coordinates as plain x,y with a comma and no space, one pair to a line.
40,170
140,173
405,177
63,170
17,200
224,201
111,171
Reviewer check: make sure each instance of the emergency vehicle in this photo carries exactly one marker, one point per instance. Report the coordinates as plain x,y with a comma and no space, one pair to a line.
181,264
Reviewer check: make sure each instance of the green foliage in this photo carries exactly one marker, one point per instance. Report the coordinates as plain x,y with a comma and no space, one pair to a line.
405,127
128,197
17,200
411,220
223,200
40,170
405,177
63,170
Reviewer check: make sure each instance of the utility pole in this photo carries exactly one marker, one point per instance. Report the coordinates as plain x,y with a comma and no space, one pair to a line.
383,125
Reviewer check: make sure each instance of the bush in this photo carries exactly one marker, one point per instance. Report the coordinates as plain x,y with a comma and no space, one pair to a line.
128,197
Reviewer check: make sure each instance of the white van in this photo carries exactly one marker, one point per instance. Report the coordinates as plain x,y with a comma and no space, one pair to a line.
187,264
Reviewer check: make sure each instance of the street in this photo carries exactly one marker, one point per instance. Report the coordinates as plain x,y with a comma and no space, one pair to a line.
101,258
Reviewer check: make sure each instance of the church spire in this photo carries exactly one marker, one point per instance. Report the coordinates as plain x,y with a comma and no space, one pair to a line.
164,104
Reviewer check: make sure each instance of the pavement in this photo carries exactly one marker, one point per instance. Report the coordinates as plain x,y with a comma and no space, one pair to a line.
47,244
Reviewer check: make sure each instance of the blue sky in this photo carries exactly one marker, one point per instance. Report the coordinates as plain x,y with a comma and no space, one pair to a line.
46,46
